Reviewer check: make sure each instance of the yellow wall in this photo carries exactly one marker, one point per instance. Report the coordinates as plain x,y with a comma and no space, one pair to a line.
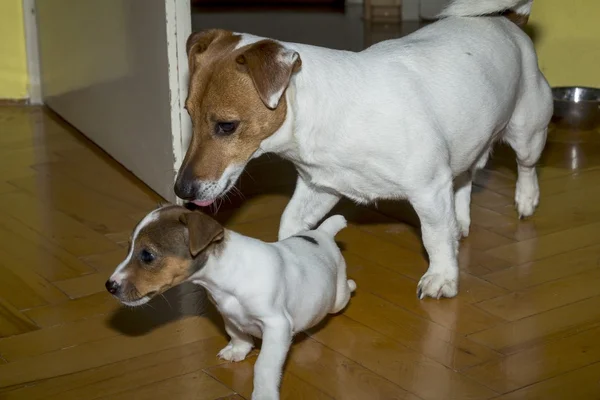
13,59
567,40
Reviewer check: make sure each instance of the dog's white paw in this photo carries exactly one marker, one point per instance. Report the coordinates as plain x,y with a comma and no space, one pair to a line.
463,226
437,285
527,198
237,352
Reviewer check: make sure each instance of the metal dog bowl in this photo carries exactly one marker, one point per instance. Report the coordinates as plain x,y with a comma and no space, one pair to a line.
577,107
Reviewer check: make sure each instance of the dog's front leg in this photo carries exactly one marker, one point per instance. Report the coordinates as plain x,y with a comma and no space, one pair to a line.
276,341
435,206
307,207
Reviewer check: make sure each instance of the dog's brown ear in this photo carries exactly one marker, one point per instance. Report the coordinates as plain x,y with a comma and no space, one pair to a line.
198,42
202,231
270,66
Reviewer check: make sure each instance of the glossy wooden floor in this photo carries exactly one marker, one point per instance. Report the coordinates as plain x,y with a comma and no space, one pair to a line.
525,325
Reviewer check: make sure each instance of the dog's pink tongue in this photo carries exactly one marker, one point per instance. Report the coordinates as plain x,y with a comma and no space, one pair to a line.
204,203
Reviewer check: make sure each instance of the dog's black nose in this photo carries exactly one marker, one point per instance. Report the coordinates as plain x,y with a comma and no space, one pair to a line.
186,186
112,286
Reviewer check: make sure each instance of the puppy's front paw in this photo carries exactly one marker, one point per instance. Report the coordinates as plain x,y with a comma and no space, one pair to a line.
437,285
235,352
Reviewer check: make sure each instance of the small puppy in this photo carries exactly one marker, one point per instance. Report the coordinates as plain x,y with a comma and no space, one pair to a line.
267,290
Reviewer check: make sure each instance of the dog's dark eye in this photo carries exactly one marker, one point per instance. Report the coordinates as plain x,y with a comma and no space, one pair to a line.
146,256
225,128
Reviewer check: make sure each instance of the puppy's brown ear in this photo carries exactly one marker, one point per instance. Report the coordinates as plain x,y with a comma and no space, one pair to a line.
270,66
202,231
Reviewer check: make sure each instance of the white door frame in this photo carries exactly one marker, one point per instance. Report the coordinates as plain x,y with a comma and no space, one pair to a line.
179,27
34,87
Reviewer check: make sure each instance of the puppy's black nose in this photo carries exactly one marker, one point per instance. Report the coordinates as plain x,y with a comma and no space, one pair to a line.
186,186
112,286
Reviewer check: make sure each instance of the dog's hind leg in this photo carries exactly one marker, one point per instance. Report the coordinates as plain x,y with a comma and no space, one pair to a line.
306,207
462,201
526,133
529,149
462,194
238,347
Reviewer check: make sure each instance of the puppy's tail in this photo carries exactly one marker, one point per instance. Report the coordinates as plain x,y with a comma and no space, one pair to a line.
476,8
333,225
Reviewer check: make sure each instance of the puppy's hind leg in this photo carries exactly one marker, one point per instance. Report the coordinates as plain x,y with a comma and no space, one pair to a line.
345,287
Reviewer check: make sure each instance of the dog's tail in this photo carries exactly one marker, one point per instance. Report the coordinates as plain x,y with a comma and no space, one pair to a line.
476,8
333,225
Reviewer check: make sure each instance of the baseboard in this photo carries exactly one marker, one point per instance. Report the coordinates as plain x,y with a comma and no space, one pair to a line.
14,102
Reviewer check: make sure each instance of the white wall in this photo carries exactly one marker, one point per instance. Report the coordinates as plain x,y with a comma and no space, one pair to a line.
110,69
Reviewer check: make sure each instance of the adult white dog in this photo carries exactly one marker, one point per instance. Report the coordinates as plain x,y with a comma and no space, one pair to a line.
411,118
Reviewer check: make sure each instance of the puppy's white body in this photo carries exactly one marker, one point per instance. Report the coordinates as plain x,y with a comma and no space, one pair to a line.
252,281
273,291
414,118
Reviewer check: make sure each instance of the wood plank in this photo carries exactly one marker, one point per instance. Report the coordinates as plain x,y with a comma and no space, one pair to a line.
547,269
27,249
95,210
102,352
549,245
6,187
25,289
539,363
124,375
195,385
391,360
100,303
441,344
238,376
580,384
539,328
57,337
105,262
110,180
59,228
338,376
84,285
544,297
454,314
12,321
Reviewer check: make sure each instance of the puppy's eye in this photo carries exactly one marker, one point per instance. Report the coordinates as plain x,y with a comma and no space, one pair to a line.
225,128
146,257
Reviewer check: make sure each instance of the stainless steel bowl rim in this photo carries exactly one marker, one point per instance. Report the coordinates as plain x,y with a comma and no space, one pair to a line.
563,88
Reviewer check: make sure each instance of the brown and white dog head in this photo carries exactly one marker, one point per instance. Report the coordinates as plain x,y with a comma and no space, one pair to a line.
167,247
235,101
